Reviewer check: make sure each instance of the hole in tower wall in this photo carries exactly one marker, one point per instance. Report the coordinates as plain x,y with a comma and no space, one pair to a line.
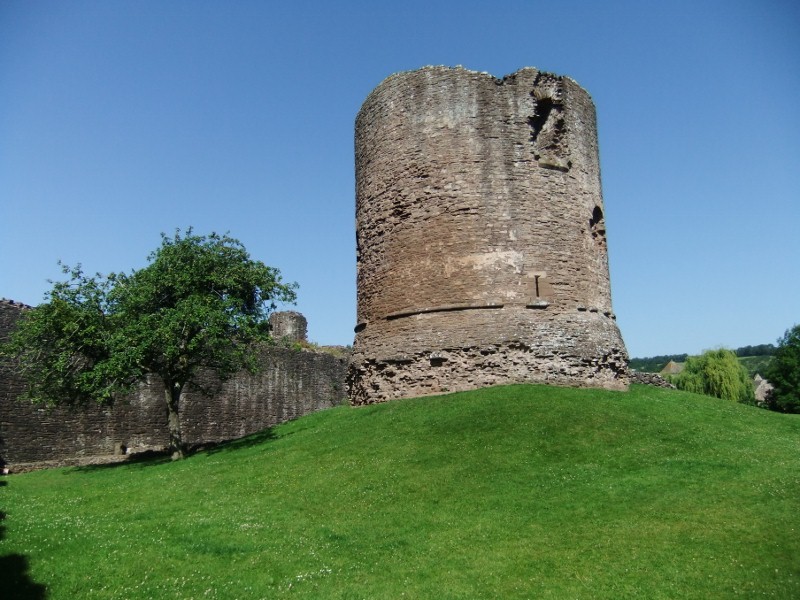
548,129
437,360
544,107
597,227
541,113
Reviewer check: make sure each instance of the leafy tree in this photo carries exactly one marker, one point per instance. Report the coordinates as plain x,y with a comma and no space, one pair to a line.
716,373
200,303
760,350
784,373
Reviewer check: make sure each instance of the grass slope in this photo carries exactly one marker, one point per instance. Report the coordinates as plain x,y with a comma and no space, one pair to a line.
509,492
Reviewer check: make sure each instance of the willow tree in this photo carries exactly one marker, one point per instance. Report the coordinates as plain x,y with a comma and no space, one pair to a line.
199,305
716,373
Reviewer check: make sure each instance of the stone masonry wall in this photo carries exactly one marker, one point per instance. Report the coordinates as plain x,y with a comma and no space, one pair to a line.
481,240
291,384
653,379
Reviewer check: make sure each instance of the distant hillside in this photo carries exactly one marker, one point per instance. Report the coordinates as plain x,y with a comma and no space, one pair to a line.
755,364
754,358
654,364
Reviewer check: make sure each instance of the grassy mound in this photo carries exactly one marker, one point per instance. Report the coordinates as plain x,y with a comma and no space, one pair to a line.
509,492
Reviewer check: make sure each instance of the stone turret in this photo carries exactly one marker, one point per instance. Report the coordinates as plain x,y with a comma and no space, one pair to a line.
481,239
288,325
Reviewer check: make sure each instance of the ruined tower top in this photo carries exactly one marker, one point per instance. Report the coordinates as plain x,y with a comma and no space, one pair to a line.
288,325
481,241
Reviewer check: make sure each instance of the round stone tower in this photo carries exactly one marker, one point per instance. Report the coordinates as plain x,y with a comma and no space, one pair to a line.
481,242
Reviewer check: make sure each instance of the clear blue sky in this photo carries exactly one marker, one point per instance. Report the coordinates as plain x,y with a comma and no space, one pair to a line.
122,120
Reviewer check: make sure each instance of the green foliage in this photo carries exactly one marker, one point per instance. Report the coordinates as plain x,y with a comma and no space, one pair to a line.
510,492
784,373
759,350
716,373
756,365
200,303
63,346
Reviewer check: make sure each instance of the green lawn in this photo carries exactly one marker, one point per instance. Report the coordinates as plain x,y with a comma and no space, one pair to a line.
509,492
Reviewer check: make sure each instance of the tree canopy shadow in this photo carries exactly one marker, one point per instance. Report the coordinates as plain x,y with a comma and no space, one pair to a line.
249,441
151,458
15,580
16,583
148,458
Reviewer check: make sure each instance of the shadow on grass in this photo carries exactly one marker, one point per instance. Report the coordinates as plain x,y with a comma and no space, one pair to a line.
153,458
15,582
149,458
246,442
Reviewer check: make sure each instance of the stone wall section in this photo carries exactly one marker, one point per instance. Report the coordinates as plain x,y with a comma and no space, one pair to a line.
481,242
292,383
653,379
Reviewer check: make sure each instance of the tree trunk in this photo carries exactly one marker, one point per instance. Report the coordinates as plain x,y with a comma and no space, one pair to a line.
172,394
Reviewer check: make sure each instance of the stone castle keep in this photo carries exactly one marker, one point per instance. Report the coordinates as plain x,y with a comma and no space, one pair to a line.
481,256
481,241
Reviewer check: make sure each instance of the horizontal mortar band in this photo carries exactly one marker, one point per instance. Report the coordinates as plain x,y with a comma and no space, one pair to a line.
410,312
